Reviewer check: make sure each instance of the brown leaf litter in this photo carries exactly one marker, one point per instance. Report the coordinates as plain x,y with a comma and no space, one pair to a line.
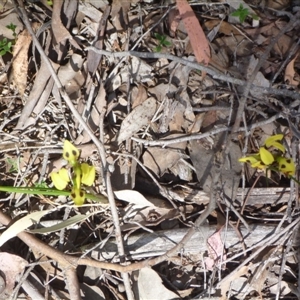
182,210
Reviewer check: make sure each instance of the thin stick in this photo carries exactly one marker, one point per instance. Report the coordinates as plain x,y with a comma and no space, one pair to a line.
215,74
198,136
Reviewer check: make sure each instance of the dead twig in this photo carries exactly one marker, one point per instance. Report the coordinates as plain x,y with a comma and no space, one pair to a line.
215,74
198,136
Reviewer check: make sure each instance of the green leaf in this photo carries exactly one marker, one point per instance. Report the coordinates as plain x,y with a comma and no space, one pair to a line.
42,185
157,49
167,43
12,27
241,12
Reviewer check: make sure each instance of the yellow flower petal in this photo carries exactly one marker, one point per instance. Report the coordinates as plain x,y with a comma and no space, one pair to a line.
88,174
60,179
279,146
286,165
266,156
70,153
249,159
273,141
78,196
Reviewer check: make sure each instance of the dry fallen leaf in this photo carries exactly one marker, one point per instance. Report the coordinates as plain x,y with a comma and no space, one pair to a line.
150,286
216,251
20,61
226,283
290,73
173,19
11,266
197,37
21,225
138,118
223,26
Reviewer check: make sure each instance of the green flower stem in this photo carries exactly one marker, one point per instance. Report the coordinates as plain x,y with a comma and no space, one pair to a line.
49,192
293,178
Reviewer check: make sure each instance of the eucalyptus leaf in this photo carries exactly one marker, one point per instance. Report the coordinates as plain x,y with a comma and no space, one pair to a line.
22,224
61,225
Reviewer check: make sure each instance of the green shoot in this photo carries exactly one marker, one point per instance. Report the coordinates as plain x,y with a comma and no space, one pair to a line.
5,45
12,165
242,13
162,42
12,27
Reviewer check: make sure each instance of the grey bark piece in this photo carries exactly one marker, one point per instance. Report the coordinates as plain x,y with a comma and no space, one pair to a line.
154,244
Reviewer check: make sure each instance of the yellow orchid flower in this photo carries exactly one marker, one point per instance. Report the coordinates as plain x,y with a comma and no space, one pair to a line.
82,173
70,153
88,174
286,165
267,159
60,179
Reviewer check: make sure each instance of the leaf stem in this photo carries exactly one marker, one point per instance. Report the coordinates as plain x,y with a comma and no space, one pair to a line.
49,192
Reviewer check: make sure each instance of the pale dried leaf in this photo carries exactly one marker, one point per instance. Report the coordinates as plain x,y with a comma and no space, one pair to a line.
226,283
278,4
259,79
133,197
119,14
182,170
71,69
216,251
11,266
59,30
233,45
138,95
20,61
97,3
90,11
148,216
158,160
290,73
173,20
150,286
223,27
38,88
21,225
138,118
140,70
195,32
